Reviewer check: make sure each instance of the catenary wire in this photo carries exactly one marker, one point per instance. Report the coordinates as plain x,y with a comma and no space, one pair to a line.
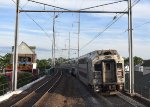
108,26
35,22
103,5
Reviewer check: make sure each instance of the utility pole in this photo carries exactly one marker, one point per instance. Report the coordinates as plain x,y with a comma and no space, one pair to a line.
69,47
131,61
78,35
52,54
53,43
15,50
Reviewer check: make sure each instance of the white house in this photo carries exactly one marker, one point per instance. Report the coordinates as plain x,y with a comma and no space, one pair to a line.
138,68
146,67
126,68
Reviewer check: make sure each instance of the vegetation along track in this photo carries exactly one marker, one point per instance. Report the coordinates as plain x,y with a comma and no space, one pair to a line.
33,97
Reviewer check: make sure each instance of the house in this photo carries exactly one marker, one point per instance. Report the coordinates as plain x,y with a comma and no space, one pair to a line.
138,67
126,68
146,67
26,56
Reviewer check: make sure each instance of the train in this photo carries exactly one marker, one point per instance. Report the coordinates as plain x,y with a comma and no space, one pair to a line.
101,70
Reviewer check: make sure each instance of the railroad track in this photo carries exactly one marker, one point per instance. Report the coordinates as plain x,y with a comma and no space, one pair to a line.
31,99
42,100
130,100
120,100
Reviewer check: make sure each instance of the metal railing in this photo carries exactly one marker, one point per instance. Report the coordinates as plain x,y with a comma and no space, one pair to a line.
4,88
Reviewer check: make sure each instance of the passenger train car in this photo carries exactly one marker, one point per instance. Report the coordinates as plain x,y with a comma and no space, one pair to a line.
103,70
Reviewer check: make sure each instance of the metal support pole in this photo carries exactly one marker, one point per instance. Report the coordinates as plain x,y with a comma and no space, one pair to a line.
78,43
52,54
74,11
15,50
131,61
69,47
54,40
78,35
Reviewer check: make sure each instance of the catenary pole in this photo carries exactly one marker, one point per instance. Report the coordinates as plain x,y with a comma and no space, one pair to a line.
54,40
15,50
131,61
69,47
78,35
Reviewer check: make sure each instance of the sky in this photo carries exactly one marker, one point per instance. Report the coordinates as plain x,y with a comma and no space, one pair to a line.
36,29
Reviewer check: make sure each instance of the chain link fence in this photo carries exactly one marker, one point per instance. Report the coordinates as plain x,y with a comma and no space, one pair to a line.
141,84
23,79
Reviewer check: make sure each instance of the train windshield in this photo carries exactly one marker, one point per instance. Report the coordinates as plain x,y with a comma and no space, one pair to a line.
98,67
119,65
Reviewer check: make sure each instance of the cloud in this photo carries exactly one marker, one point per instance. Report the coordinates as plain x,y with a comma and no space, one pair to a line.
140,11
91,25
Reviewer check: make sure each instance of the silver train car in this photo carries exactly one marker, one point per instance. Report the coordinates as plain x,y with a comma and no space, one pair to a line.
102,70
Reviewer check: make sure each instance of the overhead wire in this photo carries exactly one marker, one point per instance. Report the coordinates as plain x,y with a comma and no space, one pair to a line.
48,5
25,4
108,26
103,5
85,9
134,3
35,22
5,49
136,27
141,25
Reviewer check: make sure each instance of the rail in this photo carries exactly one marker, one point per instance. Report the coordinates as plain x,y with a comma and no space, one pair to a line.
130,100
45,95
34,93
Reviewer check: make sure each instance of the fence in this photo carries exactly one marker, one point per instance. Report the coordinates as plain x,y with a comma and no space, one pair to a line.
24,78
141,85
4,88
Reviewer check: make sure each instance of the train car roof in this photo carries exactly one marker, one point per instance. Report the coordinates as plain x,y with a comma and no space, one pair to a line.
100,52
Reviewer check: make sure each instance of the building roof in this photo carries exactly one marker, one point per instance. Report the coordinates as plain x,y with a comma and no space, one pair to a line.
23,48
146,63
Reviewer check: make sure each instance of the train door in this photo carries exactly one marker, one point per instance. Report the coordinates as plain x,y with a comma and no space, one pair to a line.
109,71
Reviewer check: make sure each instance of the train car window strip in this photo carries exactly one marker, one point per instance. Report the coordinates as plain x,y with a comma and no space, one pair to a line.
119,65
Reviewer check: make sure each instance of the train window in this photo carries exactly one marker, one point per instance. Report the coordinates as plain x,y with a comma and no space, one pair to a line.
107,66
83,61
98,67
107,53
29,59
119,65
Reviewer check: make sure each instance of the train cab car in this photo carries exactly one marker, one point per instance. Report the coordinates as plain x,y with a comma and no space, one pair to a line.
102,70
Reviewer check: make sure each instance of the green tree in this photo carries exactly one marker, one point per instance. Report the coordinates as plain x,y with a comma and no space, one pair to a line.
43,63
60,60
137,60
5,60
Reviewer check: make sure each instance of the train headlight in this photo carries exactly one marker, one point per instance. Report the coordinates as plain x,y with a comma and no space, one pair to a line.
96,81
97,75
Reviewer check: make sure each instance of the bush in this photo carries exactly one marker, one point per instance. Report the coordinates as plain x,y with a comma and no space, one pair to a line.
24,78
3,84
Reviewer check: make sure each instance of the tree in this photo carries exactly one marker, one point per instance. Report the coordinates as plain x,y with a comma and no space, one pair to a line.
5,60
43,63
126,61
137,60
